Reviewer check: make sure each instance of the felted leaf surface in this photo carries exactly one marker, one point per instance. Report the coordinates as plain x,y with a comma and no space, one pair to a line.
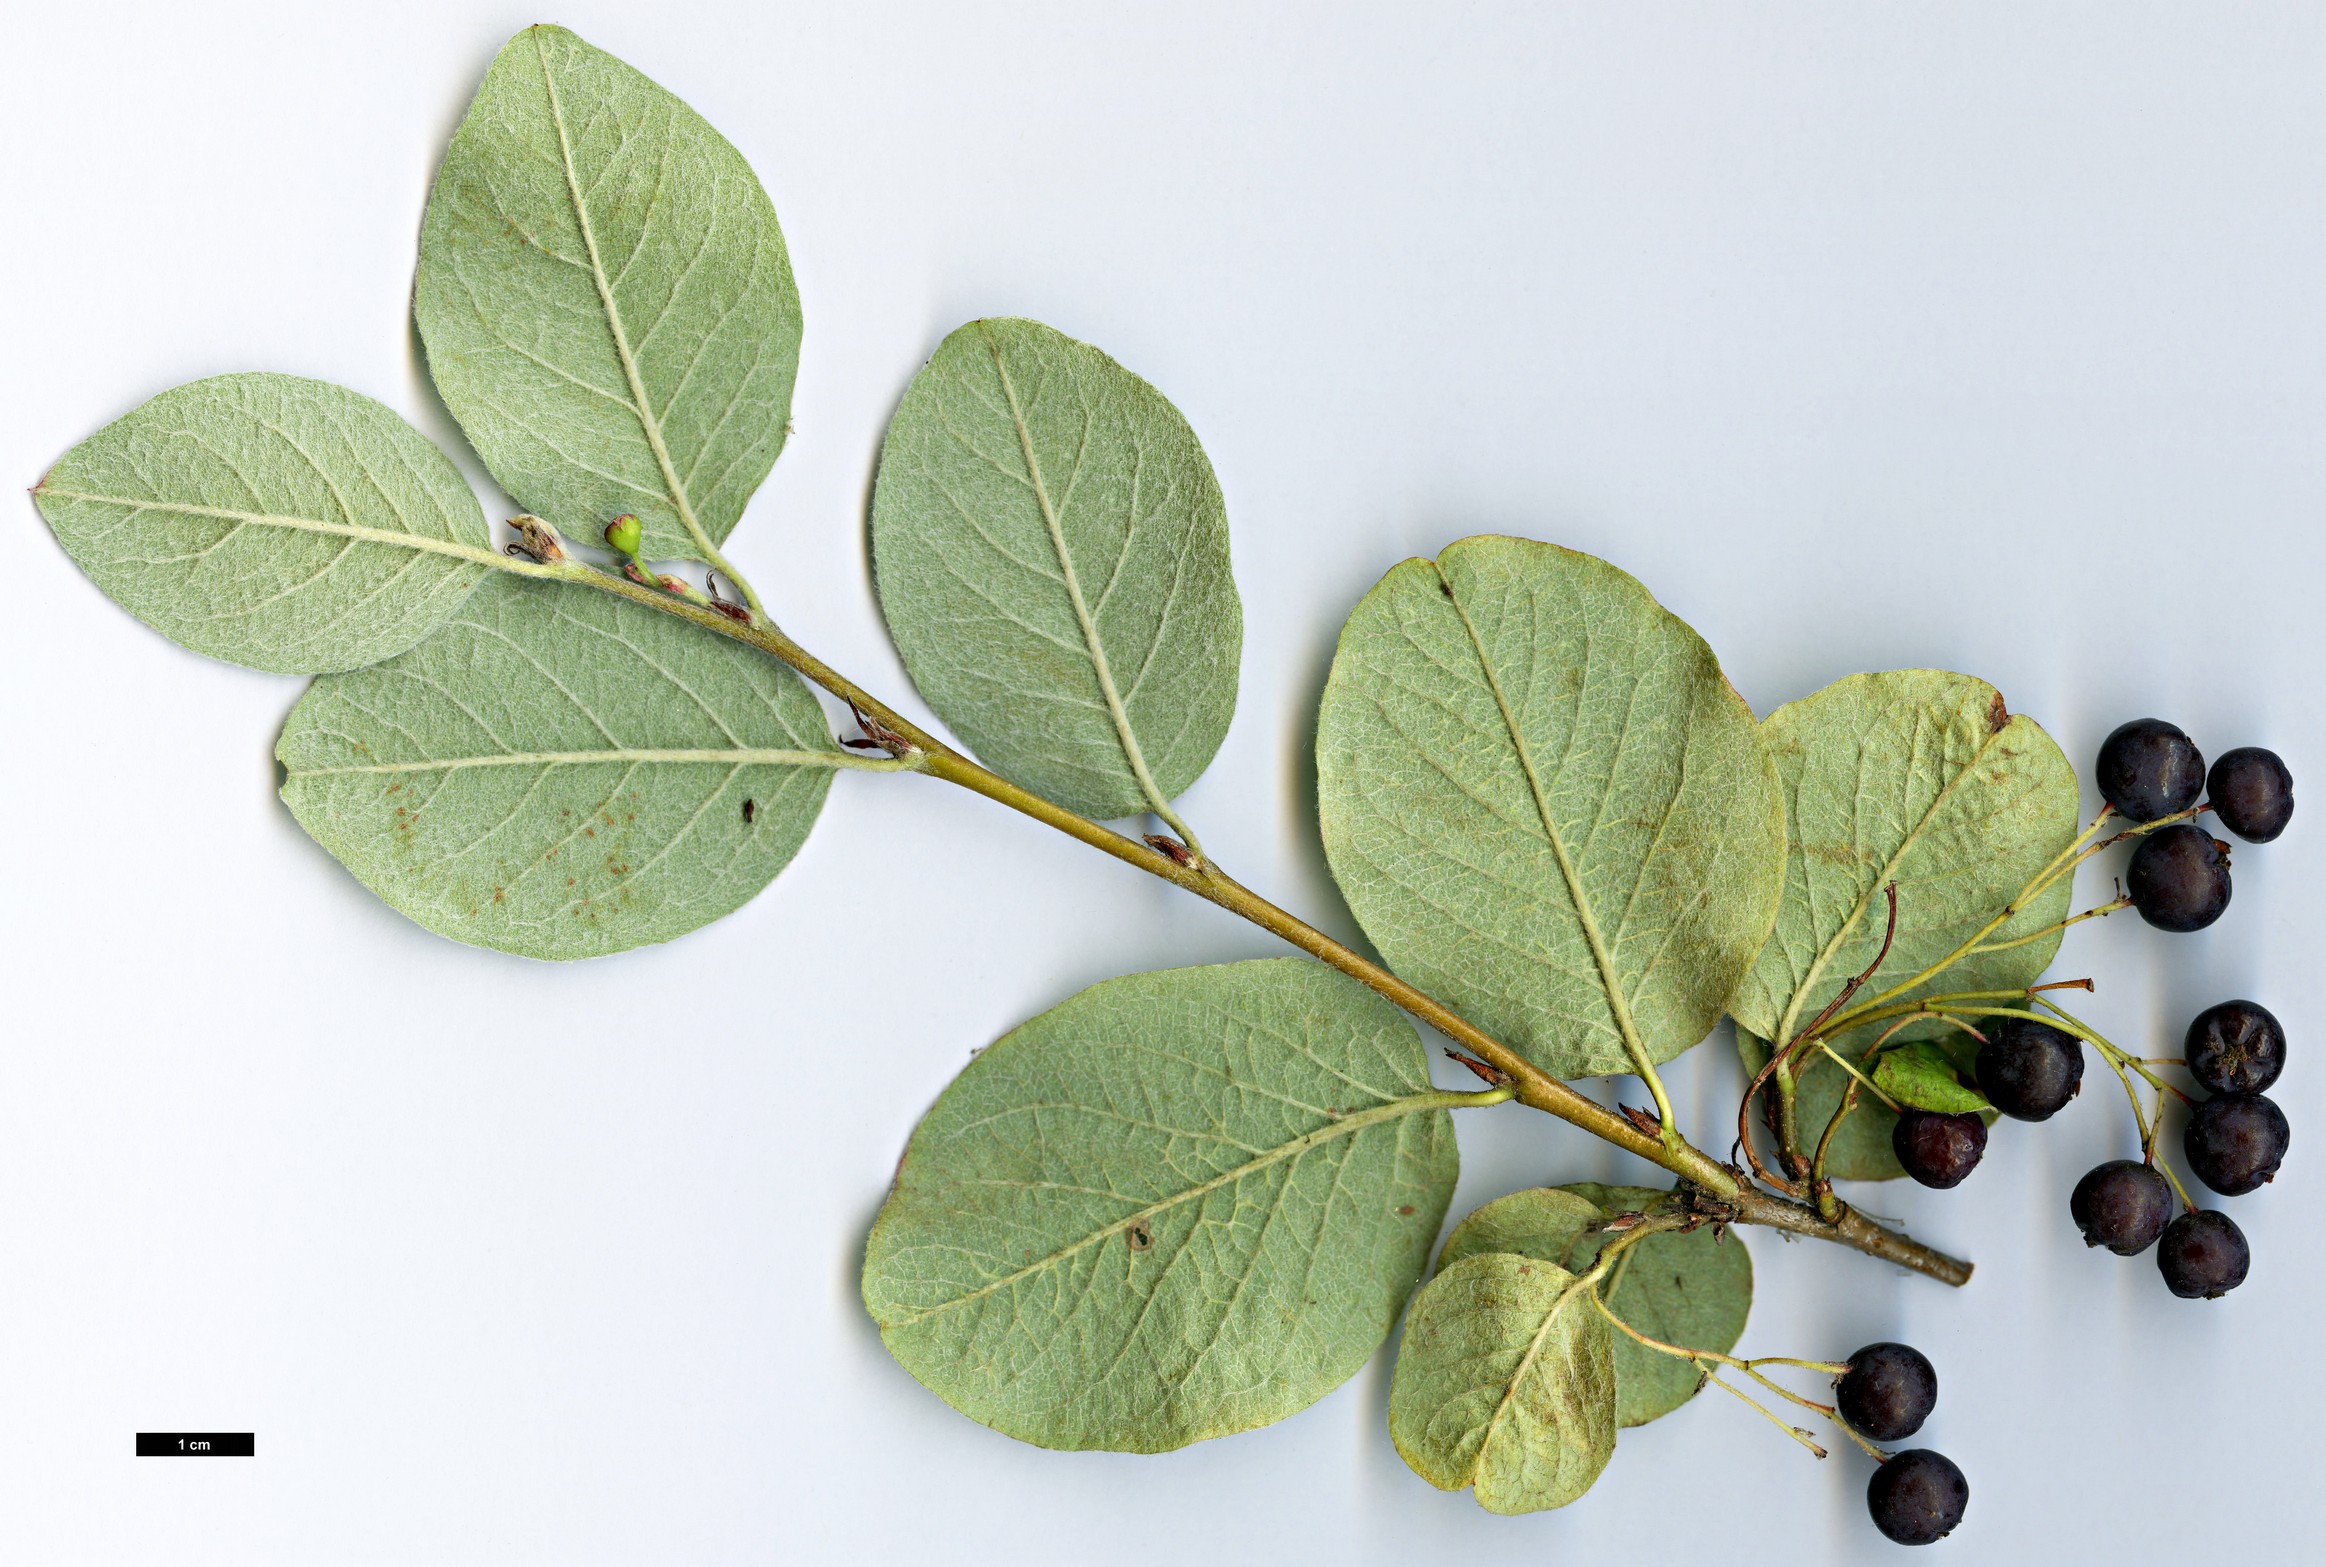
1921,778
560,774
287,524
605,298
1691,1289
1545,804
1920,1076
1861,1149
1052,555
1175,1206
1505,1383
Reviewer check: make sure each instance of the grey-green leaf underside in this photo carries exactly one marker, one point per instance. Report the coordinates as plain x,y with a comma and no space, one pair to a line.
1052,555
605,298
1545,804
1175,1206
1861,1147
268,520
1505,1383
1693,1289
561,774
1922,778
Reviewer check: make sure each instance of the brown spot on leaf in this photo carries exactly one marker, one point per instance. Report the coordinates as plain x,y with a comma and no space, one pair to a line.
1140,1236
1405,1210
750,810
1997,715
500,894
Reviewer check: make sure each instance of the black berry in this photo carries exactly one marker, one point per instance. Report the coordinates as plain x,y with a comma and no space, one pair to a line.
2236,1142
2236,1047
2203,1254
2122,1205
2148,769
1888,1391
2251,793
1917,1496
1938,1150
2028,1070
2179,878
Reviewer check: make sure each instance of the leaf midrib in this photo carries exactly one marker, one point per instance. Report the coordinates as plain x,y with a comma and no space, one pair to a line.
736,757
344,530
1525,1365
1610,979
1346,1126
1090,637
1865,896
639,405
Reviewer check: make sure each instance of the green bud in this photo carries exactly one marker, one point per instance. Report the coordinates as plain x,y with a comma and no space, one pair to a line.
625,533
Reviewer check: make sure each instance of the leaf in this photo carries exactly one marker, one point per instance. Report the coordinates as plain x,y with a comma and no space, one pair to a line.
1052,555
1693,1289
1861,1148
1920,1077
561,774
286,524
1545,805
1175,1206
605,299
1506,1384
1921,778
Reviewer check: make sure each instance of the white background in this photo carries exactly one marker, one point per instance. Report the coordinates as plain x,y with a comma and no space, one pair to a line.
1982,336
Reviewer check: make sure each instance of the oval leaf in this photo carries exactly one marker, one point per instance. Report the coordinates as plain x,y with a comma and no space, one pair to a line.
287,524
561,774
1505,1383
606,300
1545,804
1861,1148
1920,1076
1175,1206
1052,555
1921,778
1693,1289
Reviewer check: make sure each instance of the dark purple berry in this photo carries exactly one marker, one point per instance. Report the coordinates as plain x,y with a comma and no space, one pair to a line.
1938,1150
2179,878
2236,1142
2122,1205
1888,1391
2203,1255
2251,793
2029,1070
2236,1047
1917,1496
2148,769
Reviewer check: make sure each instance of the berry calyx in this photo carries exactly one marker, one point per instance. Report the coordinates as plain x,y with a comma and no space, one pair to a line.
2203,1255
2148,769
2251,793
2235,1047
1917,1496
2122,1205
1938,1150
2236,1142
1888,1391
2179,878
2029,1070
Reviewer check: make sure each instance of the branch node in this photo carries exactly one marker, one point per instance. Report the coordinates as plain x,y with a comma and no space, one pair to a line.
1170,848
1494,1076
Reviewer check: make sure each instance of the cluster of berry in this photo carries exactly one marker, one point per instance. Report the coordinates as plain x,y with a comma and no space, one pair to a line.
2235,1142
2179,876
1888,1391
2179,881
